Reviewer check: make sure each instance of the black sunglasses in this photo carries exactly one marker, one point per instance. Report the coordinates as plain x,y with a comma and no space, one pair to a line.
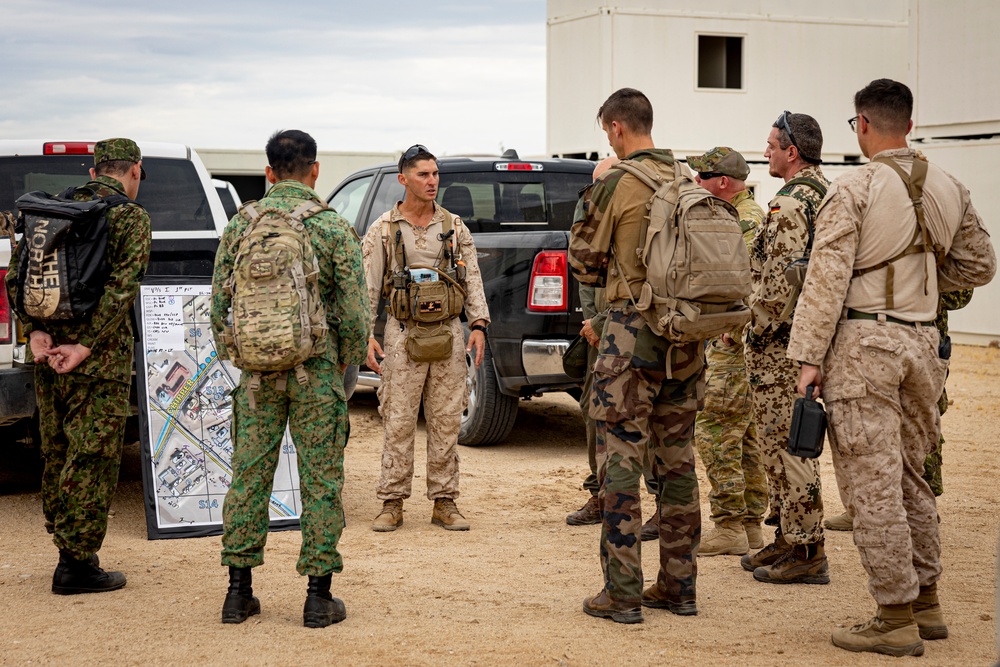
705,175
413,151
782,124
853,122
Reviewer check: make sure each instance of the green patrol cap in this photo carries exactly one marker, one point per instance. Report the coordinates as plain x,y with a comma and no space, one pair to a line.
721,160
117,149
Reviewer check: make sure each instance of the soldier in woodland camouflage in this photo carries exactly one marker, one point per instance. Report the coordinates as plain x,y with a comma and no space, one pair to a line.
724,432
83,371
890,236
797,553
315,412
646,389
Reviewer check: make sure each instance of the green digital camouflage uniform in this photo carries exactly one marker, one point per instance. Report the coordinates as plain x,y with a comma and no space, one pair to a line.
82,413
316,412
793,482
724,432
638,409
933,462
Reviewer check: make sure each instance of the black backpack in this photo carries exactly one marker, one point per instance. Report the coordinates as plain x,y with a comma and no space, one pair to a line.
62,264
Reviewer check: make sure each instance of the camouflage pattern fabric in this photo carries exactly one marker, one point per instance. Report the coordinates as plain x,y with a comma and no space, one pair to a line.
724,433
316,412
639,412
316,415
932,464
82,413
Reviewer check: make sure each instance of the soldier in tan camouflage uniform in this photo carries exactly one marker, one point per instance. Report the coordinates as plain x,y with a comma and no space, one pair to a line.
724,432
315,412
796,555
83,371
439,384
646,389
865,336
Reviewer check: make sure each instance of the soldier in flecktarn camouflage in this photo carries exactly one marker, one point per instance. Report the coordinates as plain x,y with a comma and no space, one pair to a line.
645,389
890,237
83,371
315,411
797,554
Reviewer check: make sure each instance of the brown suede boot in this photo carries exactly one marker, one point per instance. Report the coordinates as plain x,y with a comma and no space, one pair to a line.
391,516
755,535
604,607
587,515
768,555
927,613
725,538
651,529
840,522
682,605
893,631
447,516
803,564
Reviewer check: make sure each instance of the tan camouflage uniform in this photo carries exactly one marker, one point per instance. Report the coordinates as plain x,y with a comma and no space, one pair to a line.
82,413
440,384
724,432
316,412
794,482
882,379
638,410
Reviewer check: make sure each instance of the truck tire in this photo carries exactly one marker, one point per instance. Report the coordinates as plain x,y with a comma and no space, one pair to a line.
490,415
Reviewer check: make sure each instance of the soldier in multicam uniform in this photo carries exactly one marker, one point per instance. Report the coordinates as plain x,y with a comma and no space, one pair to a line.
315,412
440,384
865,336
83,373
724,432
797,555
646,389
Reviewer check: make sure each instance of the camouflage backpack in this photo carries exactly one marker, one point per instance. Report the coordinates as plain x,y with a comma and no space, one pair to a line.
277,318
697,265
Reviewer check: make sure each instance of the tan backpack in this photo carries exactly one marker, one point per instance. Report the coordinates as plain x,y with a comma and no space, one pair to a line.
278,318
697,265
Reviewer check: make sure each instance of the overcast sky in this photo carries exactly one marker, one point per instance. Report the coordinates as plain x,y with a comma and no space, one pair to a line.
463,76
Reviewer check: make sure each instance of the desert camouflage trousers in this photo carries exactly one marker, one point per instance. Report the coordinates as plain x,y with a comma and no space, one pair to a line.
793,482
881,386
316,416
641,412
442,386
727,439
82,424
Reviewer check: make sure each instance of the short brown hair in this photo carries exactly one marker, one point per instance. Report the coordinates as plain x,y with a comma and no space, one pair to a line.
629,107
808,135
887,104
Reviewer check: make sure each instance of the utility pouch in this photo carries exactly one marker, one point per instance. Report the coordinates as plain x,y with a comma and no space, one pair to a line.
805,438
795,271
944,348
574,360
430,302
429,343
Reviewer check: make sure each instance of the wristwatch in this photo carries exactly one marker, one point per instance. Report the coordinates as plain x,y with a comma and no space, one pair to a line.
479,327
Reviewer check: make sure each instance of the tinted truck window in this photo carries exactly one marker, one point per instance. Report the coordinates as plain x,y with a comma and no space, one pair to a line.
172,192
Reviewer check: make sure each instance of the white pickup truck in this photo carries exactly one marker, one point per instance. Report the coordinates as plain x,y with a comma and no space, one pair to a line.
187,219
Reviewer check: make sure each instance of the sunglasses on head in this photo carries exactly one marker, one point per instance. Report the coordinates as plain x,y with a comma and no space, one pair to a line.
413,151
782,124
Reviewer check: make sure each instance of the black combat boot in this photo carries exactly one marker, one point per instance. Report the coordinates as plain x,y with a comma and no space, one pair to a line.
322,609
74,576
240,604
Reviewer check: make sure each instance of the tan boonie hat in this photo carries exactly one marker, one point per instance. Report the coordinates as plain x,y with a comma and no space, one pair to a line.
117,149
722,160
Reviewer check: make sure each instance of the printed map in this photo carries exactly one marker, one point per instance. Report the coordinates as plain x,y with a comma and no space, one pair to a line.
190,413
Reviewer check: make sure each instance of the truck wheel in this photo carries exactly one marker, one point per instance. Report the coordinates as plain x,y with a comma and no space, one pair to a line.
490,415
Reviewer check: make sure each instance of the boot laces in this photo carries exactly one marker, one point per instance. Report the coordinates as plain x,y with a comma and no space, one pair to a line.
391,507
448,507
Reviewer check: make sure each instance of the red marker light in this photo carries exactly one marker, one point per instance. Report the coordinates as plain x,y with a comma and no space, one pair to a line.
68,148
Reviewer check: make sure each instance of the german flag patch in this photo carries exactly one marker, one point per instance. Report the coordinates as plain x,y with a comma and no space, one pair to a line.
774,209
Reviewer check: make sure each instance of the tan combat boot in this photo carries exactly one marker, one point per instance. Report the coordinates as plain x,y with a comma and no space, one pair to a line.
726,538
893,631
803,564
927,612
447,516
602,606
391,516
768,555
840,522
755,536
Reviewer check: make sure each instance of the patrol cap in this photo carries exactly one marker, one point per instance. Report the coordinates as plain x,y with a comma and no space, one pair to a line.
117,149
723,160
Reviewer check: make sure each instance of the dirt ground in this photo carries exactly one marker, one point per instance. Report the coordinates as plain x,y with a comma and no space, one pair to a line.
507,592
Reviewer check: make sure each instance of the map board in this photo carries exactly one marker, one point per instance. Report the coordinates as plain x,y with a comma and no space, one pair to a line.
185,417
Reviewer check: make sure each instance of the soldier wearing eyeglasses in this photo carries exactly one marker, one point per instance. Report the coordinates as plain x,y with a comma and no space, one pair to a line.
794,146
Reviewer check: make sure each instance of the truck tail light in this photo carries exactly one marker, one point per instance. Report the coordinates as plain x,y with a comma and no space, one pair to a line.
6,316
68,148
548,289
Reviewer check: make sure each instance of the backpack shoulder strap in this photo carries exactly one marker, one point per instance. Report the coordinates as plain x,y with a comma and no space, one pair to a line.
786,189
308,209
650,178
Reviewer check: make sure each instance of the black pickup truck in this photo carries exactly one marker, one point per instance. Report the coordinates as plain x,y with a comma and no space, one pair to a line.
520,213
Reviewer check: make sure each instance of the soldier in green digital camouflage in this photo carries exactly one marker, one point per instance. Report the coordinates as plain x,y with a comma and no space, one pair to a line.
645,391
315,411
83,371
724,433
